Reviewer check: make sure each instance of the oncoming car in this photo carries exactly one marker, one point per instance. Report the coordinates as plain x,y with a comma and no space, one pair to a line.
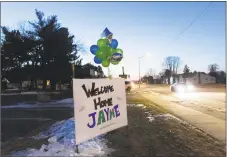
182,87
128,85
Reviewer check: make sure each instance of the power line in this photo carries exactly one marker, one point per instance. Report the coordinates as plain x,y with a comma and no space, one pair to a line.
192,22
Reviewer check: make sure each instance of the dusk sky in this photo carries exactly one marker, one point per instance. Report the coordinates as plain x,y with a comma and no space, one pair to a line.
140,27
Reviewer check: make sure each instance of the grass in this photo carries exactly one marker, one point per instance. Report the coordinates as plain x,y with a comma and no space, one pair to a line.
213,85
212,88
160,137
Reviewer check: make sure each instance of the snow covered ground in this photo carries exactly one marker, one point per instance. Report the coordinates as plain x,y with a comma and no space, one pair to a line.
152,117
61,142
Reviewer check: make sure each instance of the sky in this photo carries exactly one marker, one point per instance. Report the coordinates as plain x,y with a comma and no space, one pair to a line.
149,29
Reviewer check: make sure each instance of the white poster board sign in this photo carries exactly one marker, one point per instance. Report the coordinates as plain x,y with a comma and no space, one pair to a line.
99,107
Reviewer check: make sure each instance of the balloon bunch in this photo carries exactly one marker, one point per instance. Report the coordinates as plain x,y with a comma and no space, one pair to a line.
106,51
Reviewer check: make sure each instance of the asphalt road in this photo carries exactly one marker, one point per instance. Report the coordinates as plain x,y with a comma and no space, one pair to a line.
18,121
205,110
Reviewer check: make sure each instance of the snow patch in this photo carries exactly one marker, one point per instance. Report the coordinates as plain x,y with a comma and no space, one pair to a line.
141,105
131,105
67,101
136,105
40,136
167,116
150,117
61,142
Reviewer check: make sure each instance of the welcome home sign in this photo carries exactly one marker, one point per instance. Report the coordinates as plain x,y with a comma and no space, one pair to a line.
99,107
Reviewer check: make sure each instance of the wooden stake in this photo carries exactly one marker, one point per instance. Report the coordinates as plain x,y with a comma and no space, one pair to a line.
77,149
110,77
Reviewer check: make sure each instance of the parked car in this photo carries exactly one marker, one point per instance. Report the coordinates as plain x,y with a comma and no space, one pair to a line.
128,85
182,87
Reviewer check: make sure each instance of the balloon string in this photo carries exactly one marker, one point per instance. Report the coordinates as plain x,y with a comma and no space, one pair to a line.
109,73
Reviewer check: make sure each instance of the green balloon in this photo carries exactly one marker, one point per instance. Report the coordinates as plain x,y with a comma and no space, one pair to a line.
115,62
105,63
102,43
100,54
111,51
119,51
107,51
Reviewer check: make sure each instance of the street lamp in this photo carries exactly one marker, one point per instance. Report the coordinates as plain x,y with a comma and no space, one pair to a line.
73,69
139,69
148,55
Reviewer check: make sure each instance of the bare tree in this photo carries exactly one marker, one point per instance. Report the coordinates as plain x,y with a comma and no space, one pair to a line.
167,74
213,67
151,72
161,74
172,64
213,71
150,75
186,71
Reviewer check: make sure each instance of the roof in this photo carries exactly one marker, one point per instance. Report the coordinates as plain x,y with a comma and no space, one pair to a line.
5,80
192,74
188,75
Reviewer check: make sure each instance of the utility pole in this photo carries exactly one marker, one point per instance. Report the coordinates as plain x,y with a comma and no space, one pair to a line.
73,71
123,72
139,70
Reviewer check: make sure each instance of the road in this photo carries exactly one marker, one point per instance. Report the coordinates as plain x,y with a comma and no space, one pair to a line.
20,120
205,110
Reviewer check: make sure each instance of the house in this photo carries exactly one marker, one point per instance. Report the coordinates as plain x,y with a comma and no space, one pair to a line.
4,83
193,78
88,71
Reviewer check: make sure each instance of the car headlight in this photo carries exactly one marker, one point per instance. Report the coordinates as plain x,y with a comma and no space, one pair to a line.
132,84
180,89
190,87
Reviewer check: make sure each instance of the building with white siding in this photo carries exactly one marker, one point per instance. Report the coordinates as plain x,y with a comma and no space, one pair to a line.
193,78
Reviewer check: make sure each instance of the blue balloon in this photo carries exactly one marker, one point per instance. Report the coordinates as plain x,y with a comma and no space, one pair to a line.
97,60
114,43
94,49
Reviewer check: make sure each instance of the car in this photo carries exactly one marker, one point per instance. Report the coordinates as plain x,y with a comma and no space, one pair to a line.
182,87
128,86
